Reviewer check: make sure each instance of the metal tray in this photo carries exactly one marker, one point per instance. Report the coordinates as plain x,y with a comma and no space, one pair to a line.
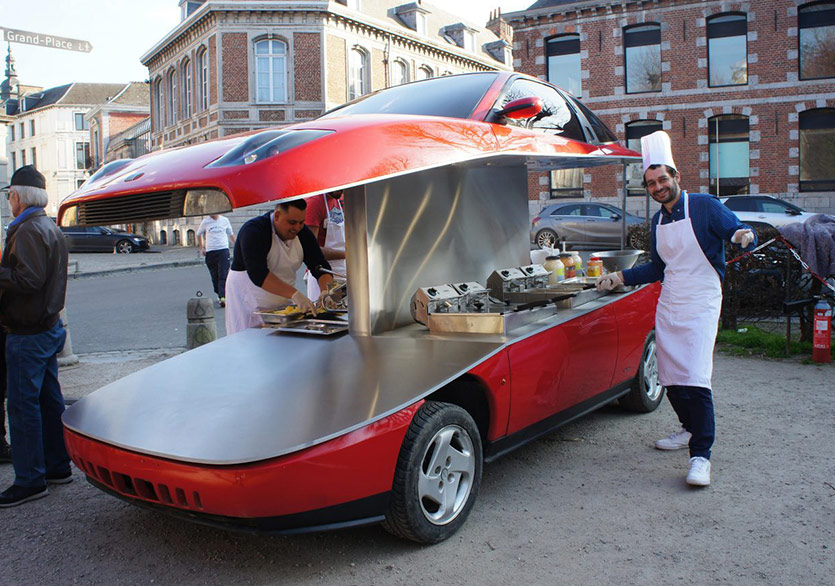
317,327
270,317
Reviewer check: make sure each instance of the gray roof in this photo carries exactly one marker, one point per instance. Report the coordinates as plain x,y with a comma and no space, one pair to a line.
546,3
136,93
71,94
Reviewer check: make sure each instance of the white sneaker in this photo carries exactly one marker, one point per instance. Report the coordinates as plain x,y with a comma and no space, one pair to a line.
699,474
674,441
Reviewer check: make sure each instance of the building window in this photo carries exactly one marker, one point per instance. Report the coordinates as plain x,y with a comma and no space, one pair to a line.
11,132
564,63
642,58
34,157
399,72
271,71
32,129
420,23
82,154
186,77
357,73
81,122
727,52
20,129
817,150
159,110
425,72
469,41
203,79
22,158
171,110
635,171
816,22
14,161
728,141
566,183
96,152
79,183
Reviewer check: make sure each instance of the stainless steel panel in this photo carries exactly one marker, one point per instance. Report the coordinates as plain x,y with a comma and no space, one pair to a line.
356,260
488,323
445,225
259,394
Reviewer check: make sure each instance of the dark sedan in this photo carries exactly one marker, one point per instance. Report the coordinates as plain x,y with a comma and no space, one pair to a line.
580,225
103,239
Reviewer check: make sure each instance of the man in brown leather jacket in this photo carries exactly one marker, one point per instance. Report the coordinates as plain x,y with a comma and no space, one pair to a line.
33,284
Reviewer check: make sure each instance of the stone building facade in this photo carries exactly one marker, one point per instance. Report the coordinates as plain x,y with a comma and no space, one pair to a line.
746,90
239,65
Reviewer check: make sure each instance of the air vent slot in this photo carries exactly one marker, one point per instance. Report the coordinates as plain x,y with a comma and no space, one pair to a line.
140,207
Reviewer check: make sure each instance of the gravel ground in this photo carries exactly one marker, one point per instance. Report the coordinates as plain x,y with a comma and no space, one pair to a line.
592,503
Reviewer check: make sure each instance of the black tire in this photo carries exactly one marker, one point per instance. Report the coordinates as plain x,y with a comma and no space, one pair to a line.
547,237
124,247
437,476
646,393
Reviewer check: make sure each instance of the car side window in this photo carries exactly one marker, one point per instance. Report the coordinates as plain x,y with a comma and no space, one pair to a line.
571,210
555,118
775,207
603,212
740,204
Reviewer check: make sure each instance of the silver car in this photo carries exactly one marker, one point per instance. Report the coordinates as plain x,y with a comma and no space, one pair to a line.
764,210
580,225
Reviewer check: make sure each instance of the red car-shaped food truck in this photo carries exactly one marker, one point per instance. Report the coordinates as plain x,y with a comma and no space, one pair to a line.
457,350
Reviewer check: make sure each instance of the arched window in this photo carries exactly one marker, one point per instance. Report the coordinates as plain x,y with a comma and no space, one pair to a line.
271,71
399,72
727,49
642,58
357,73
817,150
187,78
563,54
163,237
425,72
728,140
635,171
171,90
176,237
816,22
202,79
159,108
190,238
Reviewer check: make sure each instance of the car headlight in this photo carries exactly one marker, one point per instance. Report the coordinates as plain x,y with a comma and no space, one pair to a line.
70,217
203,202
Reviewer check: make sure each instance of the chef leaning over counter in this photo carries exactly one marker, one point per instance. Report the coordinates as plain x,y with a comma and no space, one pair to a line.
268,252
688,254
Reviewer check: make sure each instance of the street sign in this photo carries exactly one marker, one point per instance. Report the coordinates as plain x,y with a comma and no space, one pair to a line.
48,41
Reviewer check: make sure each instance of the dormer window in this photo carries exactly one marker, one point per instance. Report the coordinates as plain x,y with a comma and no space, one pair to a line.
469,41
462,35
188,7
413,15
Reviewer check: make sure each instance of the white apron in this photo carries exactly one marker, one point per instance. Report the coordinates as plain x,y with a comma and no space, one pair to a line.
335,239
243,296
687,317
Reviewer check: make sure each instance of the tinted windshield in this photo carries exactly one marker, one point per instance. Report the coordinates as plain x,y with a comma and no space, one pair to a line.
455,96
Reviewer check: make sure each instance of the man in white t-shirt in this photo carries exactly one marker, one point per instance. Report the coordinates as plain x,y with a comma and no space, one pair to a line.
214,236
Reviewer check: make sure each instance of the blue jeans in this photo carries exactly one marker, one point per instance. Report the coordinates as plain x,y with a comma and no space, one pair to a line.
694,407
36,405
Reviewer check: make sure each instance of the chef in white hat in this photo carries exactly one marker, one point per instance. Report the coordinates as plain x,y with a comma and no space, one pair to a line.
687,253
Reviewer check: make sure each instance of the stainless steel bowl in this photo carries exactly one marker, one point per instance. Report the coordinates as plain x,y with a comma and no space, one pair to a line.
618,260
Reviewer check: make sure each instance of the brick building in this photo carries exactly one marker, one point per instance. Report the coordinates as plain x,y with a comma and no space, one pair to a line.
746,90
108,120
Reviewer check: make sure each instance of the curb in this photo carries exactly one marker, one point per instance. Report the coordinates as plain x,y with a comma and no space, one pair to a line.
173,264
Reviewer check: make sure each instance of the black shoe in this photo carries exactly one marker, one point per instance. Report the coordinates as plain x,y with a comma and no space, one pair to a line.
17,495
5,454
59,478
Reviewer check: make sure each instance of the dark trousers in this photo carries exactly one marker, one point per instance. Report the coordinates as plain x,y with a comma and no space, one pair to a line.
2,388
694,407
36,405
218,263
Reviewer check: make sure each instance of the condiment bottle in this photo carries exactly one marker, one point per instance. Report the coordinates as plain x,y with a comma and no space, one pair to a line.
594,268
567,260
578,263
556,270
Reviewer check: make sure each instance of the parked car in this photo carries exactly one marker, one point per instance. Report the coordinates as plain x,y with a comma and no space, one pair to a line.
765,210
103,239
392,420
581,225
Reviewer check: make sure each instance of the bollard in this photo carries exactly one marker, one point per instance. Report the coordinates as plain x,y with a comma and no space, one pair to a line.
66,356
201,327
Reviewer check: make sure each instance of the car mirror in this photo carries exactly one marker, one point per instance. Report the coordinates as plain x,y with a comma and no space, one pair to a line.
615,217
521,109
791,212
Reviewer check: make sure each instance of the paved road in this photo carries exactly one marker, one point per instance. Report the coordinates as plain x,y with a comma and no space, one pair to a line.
132,311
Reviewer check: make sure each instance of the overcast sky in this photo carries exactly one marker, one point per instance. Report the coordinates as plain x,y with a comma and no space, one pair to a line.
121,31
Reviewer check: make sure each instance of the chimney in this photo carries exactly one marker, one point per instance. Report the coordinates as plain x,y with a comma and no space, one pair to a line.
499,26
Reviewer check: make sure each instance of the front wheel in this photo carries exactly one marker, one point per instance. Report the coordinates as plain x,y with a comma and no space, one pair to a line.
124,247
546,238
646,393
437,476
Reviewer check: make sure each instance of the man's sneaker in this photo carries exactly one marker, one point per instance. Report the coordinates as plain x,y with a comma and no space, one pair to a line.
59,478
5,454
222,301
17,495
674,441
699,474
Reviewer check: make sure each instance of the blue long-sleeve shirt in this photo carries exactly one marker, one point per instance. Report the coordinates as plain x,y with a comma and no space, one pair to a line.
713,224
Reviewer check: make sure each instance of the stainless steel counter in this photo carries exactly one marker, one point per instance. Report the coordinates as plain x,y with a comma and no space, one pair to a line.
259,393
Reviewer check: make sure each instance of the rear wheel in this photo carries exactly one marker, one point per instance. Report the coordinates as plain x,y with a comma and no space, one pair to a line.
437,476
124,247
646,393
546,238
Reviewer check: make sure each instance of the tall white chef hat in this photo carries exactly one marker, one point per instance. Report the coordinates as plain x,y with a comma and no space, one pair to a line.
657,150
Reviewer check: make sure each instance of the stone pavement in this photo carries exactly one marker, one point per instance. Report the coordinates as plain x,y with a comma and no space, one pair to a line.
92,264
